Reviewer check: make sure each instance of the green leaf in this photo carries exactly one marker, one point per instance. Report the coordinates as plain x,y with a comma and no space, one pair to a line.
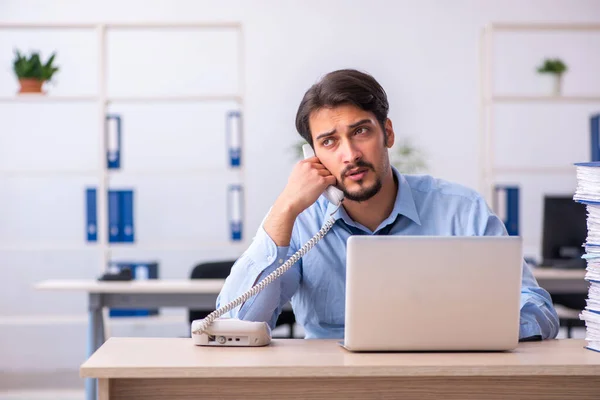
32,66
552,66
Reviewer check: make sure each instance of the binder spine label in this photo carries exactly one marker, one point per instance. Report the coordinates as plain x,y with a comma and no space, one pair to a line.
235,208
234,138
113,141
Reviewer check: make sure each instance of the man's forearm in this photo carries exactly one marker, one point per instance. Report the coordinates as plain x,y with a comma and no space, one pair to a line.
260,259
280,222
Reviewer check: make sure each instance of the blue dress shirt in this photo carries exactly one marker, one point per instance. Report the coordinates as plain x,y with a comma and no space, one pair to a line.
316,283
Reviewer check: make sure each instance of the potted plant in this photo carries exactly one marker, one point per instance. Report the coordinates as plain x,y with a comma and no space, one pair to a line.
408,159
553,69
32,73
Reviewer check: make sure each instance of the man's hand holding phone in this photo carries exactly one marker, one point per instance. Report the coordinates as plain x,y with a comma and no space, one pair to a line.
306,183
308,180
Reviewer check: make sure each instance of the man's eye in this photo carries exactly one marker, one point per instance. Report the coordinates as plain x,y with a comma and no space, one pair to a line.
327,142
361,130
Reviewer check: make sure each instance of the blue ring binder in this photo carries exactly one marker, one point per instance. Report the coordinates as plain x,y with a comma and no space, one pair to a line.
121,226
91,215
511,213
595,137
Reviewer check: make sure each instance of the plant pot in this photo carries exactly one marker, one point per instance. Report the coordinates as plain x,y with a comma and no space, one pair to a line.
30,85
551,84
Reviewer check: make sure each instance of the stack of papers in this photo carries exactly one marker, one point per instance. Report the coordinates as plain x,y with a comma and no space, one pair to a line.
588,193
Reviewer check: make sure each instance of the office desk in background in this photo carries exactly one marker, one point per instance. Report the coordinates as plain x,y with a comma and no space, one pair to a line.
202,294
561,281
175,369
151,293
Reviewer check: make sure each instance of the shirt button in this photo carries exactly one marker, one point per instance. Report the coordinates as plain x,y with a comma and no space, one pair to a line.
280,261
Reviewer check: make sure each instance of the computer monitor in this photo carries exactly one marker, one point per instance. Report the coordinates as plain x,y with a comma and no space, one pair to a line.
564,232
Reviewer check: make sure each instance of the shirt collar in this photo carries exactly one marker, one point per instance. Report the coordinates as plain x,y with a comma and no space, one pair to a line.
404,205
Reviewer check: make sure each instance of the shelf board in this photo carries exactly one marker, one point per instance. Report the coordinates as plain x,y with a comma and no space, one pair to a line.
47,173
187,245
37,320
176,98
177,25
179,172
122,25
543,99
33,25
535,170
120,172
49,246
582,27
159,319
41,98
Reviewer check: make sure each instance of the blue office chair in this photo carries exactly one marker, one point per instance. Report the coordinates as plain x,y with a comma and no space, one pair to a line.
220,270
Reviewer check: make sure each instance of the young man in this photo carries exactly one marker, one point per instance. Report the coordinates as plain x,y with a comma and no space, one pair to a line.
344,118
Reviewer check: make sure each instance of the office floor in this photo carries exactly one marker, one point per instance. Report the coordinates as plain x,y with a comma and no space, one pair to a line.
43,395
66,385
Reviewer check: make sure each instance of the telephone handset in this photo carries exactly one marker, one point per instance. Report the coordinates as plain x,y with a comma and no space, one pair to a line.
333,194
229,332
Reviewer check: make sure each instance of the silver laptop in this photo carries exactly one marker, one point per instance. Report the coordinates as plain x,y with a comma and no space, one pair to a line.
425,293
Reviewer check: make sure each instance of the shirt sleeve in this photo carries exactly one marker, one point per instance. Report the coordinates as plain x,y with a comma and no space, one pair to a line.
261,258
538,316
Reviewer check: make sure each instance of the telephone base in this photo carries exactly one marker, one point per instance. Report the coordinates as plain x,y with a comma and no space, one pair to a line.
229,332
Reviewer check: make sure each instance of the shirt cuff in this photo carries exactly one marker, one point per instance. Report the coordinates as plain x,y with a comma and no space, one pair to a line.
264,253
528,329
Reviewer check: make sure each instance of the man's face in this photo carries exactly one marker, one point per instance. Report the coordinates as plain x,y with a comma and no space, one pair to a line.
350,143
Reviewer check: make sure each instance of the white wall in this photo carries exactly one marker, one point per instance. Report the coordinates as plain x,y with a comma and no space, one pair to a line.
425,54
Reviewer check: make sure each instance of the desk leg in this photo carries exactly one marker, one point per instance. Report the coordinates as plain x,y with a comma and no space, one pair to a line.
95,338
103,389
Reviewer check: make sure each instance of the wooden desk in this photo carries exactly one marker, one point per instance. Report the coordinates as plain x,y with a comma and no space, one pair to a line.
175,369
202,294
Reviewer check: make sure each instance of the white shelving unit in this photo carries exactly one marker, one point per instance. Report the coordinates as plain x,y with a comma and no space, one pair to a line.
42,191
103,100
488,99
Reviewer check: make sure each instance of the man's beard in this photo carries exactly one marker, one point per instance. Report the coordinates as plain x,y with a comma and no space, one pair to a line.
363,194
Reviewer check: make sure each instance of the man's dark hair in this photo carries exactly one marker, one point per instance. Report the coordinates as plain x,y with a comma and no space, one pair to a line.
342,87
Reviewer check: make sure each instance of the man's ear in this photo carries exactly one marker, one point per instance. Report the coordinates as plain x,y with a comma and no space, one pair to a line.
389,133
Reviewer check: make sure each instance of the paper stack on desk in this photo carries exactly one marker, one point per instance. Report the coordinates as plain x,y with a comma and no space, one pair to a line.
588,193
